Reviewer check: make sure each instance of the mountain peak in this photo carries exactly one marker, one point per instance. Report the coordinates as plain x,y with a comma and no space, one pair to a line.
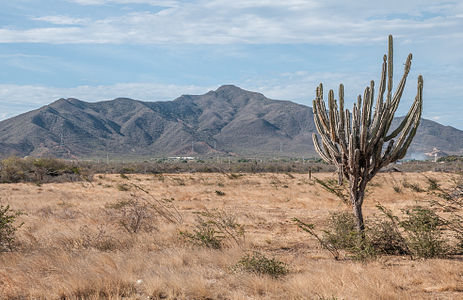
227,120
63,101
230,91
229,88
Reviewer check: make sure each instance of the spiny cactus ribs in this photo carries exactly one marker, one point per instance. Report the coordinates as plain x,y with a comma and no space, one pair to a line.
354,141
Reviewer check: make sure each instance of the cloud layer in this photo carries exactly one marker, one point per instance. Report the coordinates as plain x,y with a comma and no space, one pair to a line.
253,22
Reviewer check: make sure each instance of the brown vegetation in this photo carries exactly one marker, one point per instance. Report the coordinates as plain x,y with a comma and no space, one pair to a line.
79,241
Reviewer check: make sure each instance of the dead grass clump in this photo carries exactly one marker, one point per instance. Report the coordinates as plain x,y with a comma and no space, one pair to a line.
123,187
98,239
413,186
103,290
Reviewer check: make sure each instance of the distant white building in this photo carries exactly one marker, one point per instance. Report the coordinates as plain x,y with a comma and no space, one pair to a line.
435,154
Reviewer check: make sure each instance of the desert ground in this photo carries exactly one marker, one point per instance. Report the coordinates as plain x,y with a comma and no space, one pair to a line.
72,244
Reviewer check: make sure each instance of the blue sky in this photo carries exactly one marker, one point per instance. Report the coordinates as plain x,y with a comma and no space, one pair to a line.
153,50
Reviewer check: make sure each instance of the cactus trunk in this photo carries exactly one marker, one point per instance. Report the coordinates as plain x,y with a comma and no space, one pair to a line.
360,143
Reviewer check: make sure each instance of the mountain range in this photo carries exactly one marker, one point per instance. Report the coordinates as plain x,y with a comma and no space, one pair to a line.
227,121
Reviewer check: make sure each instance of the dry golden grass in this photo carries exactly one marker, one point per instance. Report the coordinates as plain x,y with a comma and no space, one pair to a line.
71,247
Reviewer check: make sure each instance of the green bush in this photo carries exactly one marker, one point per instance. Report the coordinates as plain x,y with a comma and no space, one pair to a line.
419,232
342,234
13,169
384,235
39,170
8,227
204,234
433,185
260,264
424,230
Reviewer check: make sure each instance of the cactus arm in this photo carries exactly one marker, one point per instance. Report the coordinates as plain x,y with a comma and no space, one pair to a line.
333,110
398,93
379,102
389,69
319,150
405,138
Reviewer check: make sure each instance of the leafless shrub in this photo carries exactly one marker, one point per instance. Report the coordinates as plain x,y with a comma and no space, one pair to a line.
141,211
98,239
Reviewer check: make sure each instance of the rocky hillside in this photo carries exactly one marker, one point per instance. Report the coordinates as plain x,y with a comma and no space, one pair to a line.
226,121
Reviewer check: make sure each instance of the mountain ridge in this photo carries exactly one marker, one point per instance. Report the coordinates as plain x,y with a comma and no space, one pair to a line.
227,121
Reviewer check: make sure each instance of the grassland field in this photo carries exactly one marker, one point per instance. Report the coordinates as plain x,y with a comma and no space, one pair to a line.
72,245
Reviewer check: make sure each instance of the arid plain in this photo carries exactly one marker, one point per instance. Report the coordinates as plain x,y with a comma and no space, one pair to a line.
72,244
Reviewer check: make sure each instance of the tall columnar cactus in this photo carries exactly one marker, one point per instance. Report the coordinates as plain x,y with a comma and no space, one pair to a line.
361,143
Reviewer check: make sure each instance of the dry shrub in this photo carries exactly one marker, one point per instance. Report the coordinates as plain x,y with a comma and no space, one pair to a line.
214,229
142,211
134,215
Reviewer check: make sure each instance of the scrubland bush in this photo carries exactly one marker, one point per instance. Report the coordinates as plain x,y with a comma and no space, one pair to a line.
141,211
260,264
434,229
418,232
8,227
15,169
215,229
134,215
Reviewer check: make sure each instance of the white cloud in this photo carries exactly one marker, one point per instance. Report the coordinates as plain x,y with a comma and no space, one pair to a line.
104,2
62,20
42,95
254,22
17,99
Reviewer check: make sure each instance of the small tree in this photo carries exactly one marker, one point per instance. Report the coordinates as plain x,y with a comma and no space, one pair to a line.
356,143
